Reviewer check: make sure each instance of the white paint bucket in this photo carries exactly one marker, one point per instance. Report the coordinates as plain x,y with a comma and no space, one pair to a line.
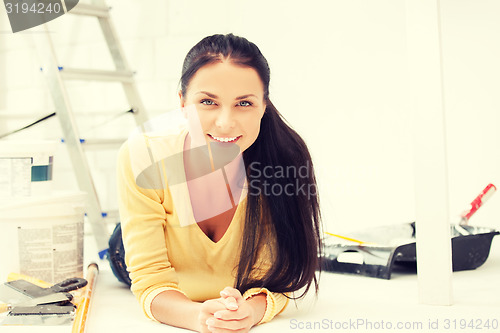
26,168
43,237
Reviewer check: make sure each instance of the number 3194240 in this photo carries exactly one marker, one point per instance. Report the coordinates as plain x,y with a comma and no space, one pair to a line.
36,8
478,324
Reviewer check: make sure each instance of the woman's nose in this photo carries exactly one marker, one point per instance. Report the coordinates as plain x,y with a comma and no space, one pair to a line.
225,119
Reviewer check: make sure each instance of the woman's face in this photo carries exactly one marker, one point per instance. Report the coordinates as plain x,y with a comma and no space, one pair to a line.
229,100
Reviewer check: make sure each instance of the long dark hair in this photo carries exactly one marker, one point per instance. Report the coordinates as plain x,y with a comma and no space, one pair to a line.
292,218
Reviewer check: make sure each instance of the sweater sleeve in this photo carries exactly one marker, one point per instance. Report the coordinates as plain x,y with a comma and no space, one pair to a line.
143,212
275,302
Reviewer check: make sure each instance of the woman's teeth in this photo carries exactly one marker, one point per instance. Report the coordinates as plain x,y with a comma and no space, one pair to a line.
224,139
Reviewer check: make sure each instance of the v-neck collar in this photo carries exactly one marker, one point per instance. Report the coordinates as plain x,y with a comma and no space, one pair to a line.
187,214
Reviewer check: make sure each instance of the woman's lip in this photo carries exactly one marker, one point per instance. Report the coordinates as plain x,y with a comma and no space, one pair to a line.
224,137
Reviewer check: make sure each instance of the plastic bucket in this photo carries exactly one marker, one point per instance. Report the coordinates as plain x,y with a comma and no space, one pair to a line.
43,237
26,168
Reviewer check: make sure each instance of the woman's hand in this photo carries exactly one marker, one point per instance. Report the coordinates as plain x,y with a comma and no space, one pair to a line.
230,313
208,308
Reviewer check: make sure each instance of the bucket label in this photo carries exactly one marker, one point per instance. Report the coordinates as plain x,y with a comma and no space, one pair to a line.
52,253
15,177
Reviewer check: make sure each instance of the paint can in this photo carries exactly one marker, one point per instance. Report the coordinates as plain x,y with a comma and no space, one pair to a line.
26,168
43,236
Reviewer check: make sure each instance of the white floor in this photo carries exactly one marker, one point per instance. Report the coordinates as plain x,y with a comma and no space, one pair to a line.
345,303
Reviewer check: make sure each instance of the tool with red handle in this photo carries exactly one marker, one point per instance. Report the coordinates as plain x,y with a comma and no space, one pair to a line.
478,202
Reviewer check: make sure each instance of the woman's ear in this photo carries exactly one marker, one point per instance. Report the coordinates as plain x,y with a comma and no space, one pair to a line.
183,104
263,112
181,98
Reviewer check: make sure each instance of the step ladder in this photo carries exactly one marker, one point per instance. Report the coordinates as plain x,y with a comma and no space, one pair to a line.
55,76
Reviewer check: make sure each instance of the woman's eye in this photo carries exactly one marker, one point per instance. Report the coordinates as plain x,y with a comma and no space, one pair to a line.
207,102
244,103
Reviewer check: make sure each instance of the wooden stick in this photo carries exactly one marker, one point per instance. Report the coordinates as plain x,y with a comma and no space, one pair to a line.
83,306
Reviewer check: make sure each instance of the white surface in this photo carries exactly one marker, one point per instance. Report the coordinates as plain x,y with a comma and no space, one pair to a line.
343,299
430,151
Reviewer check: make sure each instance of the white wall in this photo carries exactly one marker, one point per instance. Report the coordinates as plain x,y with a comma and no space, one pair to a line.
339,75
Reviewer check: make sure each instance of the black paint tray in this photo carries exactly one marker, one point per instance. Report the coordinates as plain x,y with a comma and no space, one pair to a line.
390,248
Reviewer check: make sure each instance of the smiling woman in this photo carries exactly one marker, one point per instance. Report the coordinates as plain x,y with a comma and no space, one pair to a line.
206,254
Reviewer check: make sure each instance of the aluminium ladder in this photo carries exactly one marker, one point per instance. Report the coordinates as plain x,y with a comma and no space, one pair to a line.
55,77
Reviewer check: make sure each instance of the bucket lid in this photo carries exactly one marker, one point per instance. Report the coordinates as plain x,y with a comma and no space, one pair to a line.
60,203
17,148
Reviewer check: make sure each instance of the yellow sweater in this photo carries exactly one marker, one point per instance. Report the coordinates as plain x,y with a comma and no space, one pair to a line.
164,247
